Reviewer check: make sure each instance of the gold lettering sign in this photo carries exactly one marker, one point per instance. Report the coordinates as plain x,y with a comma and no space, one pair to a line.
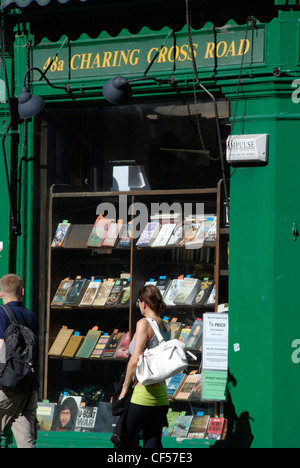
134,53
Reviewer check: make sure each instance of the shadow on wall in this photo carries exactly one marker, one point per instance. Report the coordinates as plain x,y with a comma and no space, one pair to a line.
239,433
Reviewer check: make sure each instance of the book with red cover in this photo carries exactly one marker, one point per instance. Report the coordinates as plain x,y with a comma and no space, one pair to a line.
216,428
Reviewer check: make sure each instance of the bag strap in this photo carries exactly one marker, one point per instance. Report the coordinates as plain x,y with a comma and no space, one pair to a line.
11,316
156,330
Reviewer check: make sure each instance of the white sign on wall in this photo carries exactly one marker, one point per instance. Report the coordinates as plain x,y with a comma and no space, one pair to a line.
243,149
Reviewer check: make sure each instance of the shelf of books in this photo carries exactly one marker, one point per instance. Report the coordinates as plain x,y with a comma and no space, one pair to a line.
102,248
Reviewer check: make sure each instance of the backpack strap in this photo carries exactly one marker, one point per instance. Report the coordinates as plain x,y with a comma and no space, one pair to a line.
11,316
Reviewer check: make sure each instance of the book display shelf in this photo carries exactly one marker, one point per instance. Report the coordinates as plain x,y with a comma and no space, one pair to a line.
97,268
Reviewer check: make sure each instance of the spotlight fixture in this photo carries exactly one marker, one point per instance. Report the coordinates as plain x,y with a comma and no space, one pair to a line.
29,104
118,90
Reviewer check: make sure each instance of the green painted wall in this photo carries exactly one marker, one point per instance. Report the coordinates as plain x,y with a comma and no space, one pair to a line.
264,261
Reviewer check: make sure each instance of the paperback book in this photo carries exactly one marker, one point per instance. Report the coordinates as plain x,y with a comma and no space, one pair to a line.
101,343
99,232
91,293
187,291
194,339
164,235
123,350
103,293
62,231
112,235
88,344
149,234
62,292
76,292
198,427
182,425
60,341
112,344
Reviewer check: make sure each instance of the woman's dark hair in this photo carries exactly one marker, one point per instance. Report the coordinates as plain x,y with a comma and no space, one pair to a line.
151,295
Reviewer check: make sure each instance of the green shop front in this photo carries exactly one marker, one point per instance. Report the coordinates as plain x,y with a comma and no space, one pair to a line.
241,85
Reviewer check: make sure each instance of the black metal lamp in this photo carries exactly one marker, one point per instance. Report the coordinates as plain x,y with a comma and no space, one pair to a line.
118,90
29,104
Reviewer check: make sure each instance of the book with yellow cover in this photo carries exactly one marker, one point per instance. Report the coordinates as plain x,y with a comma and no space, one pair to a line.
72,346
60,341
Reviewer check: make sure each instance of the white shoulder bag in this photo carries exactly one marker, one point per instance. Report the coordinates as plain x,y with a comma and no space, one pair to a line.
162,362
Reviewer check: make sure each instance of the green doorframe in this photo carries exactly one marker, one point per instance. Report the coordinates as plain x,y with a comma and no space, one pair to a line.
264,319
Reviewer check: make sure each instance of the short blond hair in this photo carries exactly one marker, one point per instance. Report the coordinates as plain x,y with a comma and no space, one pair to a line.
11,285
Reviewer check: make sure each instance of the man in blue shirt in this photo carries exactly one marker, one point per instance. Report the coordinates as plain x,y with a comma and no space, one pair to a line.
17,409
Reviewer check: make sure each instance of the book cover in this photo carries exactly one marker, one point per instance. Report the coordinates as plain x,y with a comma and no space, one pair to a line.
175,329
91,293
62,292
174,382
184,390
124,299
103,293
44,415
172,418
182,426
62,231
202,295
215,429
194,339
172,291
176,236
187,291
112,344
116,291
77,291
212,297
86,419
149,234
112,234
60,341
196,392
192,230
198,427
65,414
123,350
99,232
211,234
125,235
184,333
100,345
88,344
202,232
164,235
73,345
162,284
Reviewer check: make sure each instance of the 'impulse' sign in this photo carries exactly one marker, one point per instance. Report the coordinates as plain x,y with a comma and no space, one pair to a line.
247,149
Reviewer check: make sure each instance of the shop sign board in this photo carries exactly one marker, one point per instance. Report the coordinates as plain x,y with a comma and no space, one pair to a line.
128,54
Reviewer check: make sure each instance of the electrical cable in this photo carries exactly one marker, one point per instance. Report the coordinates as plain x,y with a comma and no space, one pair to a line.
214,103
14,226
